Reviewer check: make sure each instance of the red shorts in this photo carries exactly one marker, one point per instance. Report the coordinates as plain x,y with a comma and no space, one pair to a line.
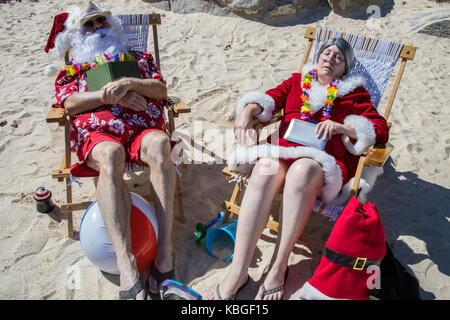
132,147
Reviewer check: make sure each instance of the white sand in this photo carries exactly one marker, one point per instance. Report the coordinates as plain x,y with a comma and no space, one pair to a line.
413,197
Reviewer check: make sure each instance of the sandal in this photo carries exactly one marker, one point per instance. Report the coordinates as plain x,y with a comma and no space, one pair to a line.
131,293
233,296
278,289
159,277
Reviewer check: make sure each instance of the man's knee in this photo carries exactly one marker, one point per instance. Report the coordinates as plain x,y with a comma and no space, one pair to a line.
110,157
155,148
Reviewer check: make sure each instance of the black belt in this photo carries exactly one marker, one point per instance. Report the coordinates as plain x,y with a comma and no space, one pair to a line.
354,263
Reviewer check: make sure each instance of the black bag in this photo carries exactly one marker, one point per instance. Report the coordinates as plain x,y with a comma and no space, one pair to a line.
396,282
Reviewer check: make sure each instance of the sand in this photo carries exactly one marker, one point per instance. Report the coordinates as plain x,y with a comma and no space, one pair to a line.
210,61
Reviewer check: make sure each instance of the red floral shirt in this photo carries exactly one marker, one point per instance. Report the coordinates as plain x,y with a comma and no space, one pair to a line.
116,120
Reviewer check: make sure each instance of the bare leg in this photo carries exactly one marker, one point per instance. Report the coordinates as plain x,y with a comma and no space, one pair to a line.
253,217
155,152
304,182
114,201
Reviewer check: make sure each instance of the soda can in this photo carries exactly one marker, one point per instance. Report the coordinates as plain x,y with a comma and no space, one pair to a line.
43,197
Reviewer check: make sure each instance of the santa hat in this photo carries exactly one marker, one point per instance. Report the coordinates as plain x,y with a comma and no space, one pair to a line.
64,27
356,242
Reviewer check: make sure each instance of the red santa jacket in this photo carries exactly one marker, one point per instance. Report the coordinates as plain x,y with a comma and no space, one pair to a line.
339,160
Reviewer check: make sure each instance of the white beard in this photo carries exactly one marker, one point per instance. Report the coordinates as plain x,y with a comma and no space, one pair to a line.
86,47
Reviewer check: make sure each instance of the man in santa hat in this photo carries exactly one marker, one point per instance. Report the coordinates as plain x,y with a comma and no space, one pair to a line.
113,128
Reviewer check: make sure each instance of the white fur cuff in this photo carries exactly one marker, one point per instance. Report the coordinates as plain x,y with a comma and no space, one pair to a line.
332,172
265,101
308,292
365,134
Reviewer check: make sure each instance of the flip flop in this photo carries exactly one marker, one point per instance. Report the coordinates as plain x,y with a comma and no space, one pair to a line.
233,296
159,277
278,289
131,293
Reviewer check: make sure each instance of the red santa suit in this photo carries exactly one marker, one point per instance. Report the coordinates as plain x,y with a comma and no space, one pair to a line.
339,159
109,122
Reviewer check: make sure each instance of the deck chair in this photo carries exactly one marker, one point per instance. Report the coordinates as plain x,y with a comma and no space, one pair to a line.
376,60
137,28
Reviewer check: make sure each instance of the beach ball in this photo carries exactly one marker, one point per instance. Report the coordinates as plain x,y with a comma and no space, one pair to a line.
97,246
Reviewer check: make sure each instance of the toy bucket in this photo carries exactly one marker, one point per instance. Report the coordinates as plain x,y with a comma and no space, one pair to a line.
219,241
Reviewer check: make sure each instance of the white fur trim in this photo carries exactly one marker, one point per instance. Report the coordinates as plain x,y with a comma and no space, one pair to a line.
366,184
264,100
63,40
308,292
318,92
365,134
51,70
332,172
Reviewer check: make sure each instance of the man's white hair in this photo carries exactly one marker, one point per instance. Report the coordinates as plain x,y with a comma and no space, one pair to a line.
113,40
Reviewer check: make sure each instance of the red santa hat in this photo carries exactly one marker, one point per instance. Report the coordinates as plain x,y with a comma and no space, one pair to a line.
356,242
64,27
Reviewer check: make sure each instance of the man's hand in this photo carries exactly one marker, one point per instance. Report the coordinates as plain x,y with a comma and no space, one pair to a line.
114,91
133,101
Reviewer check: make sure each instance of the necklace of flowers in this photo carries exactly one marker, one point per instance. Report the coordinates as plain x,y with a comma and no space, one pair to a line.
73,68
327,105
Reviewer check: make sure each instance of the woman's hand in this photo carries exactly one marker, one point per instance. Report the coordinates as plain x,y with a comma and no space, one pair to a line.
113,91
243,122
133,101
328,128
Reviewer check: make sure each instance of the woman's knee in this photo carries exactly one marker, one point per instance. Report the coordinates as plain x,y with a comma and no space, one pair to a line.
266,171
305,172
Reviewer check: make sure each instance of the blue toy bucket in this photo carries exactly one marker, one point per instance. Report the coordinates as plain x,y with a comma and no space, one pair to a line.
219,241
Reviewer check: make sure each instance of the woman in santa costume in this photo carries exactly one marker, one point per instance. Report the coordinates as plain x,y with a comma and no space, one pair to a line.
325,94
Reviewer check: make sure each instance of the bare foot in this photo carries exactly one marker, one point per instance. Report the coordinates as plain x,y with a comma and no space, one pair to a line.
164,263
273,286
229,288
129,276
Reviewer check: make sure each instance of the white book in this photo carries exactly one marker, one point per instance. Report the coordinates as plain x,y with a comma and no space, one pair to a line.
304,133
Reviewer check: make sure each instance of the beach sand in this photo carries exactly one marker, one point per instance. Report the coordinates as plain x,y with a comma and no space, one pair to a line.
210,61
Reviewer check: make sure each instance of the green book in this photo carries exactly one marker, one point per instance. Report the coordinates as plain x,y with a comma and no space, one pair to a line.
97,77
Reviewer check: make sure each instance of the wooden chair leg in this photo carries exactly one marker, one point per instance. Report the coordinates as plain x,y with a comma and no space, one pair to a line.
233,201
358,174
70,232
179,195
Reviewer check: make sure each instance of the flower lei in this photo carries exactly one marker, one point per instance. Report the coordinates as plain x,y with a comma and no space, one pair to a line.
73,68
327,105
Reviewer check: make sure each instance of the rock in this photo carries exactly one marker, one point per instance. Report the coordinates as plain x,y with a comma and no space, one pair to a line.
257,9
271,8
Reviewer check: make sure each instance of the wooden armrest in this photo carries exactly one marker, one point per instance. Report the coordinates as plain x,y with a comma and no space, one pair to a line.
181,107
55,115
377,156
275,118
177,105
227,172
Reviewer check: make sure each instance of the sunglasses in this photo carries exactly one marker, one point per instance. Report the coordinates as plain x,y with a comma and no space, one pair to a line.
90,23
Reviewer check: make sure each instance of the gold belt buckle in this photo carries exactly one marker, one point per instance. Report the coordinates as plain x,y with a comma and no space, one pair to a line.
363,260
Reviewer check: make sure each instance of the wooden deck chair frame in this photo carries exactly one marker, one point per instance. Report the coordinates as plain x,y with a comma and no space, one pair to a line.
374,156
175,106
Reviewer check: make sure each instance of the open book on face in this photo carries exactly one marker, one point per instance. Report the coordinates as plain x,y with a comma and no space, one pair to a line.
304,133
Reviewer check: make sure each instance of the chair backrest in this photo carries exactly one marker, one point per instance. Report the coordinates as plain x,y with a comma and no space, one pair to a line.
374,59
137,26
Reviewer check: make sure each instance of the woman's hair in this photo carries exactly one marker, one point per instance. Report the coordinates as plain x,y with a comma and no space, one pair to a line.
343,46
